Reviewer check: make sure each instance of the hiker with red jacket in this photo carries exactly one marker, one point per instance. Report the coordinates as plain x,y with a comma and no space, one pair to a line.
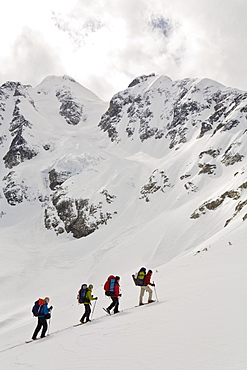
114,296
43,315
145,287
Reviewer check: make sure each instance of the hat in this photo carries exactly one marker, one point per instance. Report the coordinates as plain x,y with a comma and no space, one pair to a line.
117,278
90,286
150,271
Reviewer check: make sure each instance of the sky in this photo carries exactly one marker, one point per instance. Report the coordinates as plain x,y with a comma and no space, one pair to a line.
105,44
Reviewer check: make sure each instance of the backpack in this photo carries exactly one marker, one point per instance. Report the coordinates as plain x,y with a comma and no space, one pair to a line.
141,276
82,294
109,286
37,308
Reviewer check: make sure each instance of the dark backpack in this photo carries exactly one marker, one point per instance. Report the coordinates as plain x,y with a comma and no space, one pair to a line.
141,276
82,294
109,285
38,307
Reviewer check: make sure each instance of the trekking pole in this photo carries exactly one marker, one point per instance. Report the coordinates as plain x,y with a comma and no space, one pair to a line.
48,333
155,293
93,309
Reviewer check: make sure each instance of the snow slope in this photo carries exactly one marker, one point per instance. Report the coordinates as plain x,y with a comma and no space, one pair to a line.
198,323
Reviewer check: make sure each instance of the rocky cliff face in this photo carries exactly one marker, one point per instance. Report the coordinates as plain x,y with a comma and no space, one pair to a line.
157,146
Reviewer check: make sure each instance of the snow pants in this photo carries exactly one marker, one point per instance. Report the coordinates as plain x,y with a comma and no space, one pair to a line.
145,288
114,304
86,313
42,323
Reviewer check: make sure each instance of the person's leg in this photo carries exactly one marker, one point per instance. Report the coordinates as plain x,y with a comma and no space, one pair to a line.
85,313
141,294
150,293
88,311
112,304
44,324
37,329
116,305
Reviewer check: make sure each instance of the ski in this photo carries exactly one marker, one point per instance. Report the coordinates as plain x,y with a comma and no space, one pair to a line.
144,304
106,311
82,323
34,340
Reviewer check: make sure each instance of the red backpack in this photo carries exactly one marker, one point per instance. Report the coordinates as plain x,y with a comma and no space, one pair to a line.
109,285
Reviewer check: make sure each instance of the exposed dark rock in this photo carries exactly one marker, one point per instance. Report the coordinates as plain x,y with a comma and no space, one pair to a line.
214,204
109,198
140,79
212,152
190,186
14,192
230,159
71,110
78,216
19,151
238,208
207,168
205,127
158,181
58,178
185,176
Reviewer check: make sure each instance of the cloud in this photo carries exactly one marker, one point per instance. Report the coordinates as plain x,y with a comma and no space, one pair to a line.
31,58
105,44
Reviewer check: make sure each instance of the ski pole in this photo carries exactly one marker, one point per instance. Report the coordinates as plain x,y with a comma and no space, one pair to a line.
48,333
93,309
155,292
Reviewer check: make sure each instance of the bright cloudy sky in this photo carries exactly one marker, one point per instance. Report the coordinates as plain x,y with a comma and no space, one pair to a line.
105,44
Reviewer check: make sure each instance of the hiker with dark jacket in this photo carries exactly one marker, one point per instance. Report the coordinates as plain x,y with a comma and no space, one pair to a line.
146,281
115,297
44,315
87,304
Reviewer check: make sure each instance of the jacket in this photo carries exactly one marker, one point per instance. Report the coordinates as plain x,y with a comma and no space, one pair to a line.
44,310
116,290
147,279
89,296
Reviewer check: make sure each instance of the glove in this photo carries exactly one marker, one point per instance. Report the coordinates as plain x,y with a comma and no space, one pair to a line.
51,308
120,295
153,284
96,298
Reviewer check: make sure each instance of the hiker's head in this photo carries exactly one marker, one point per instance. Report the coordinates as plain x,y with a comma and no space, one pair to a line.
117,278
47,299
90,286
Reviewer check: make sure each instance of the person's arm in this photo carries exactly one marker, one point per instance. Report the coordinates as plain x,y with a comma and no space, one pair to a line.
117,290
90,297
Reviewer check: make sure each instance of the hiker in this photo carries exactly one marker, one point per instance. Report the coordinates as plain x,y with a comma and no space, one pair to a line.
85,296
43,316
144,280
115,297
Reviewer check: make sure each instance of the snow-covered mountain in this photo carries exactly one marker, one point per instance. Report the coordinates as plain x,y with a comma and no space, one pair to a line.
88,188
159,148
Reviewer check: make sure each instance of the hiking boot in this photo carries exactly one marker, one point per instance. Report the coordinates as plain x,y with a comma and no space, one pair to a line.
117,312
88,320
150,301
107,309
141,304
